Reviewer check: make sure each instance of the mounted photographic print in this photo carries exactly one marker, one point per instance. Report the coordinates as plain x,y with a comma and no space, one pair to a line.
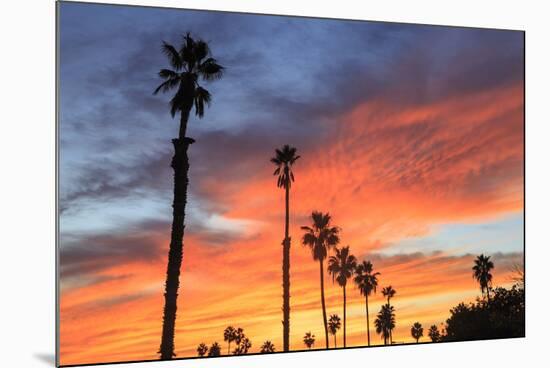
234,183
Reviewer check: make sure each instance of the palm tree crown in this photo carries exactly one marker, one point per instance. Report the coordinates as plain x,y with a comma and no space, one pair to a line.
389,292
320,237
417,331
482,272
434,333
267,347
309,340
202,349
284,159
191,63
365,279
215,350
342,265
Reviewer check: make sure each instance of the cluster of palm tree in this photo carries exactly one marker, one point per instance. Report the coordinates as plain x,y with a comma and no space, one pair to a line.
236,335
212,351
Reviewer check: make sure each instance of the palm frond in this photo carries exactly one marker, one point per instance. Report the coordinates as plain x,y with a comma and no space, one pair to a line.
211,70
167,86
173,55
202,97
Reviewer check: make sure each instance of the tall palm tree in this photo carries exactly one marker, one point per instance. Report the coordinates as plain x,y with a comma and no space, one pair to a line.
215,350
229,335
267,347
341,266
320,237
309,340
385,322
284,159
417,331
482,273
389,292
334,325
434,334
202,349
367,282
191,62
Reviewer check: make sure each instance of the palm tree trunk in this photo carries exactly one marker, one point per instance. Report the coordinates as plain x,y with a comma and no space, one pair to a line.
229,348
344,315
180,164
335,346
323,301
286,277
368,325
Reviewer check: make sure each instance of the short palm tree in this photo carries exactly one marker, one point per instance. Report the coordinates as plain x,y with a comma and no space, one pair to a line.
334,325
215,350
191,63
389,292
434,334
284,159
202,349
267,347
309,340
482,273
385,322
417,331
367,282
229,335
342,266
320,237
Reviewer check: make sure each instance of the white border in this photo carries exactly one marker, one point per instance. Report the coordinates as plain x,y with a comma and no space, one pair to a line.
27,189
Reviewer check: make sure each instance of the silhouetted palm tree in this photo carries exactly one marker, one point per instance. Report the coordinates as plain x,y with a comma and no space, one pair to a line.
267,347
242,342
190,63
309,340
417,331
215,350
341,266
482,273
385,322
229,335
434,334
334,325
367,282
284,159
389,292
202,349
320,237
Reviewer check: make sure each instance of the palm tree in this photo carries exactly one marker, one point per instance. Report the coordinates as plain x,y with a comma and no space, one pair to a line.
215,350
482,273
202,349
341,266
417,331
434,334
284,159
389,292
385,322
333,326
309,340
229,335
190,63
367,282
267,347
320,237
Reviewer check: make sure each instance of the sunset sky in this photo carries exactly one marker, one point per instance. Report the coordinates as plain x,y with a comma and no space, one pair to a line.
411,137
